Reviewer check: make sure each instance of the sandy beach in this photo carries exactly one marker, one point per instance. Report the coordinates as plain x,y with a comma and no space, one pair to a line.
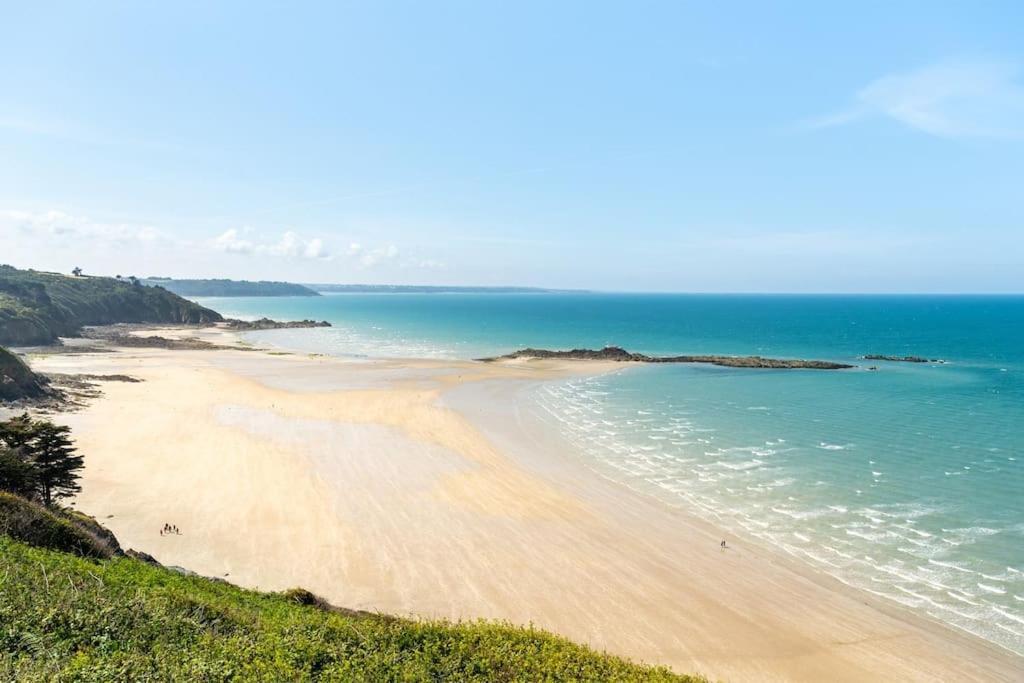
426,488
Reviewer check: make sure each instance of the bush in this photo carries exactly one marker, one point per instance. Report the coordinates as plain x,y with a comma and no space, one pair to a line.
36,525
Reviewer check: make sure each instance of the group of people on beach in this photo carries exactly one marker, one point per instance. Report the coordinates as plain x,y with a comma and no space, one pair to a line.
170,529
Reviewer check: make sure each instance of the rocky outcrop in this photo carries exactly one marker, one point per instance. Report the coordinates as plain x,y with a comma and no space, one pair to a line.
120,336
902,359
617,354
17,381
268,324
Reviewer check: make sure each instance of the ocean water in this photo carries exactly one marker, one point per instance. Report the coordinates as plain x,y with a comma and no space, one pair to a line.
907,481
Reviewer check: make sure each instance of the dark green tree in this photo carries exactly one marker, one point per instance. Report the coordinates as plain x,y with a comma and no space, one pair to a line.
56,463
17,432
16,475
47,450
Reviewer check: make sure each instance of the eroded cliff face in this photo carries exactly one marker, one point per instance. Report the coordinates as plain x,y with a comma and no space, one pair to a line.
17,381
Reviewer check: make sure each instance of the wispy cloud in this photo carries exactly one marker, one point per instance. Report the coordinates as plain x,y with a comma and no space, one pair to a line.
372,257
40,231
64,226
290,245
954,99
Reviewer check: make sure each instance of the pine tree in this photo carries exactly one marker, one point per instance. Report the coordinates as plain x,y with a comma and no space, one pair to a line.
16,475
55,462
17,432
47,451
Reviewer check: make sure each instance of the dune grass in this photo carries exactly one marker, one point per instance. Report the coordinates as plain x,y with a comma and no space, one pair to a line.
65,617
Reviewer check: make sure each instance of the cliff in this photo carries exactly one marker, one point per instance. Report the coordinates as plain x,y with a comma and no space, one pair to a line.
38,307
17,381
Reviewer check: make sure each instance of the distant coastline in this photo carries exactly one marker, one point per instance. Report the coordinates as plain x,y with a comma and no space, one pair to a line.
435,289
225,287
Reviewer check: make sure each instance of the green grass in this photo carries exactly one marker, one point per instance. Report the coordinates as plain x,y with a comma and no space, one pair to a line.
69,618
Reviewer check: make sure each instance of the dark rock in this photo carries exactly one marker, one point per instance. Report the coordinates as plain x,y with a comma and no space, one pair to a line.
617,354
902,359
17,381
142,557
268,324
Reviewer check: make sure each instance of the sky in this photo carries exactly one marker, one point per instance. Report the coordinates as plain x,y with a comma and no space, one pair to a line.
631,146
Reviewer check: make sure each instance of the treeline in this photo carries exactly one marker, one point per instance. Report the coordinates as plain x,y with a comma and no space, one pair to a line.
38,307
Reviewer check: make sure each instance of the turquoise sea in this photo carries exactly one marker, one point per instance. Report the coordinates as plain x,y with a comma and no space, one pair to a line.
907,481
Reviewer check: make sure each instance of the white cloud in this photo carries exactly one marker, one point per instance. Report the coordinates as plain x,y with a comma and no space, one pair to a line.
230,242
291,245
373,257
57,225
315,249
955,99
56,230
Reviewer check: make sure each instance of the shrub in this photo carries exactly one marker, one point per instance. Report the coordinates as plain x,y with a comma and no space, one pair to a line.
36,525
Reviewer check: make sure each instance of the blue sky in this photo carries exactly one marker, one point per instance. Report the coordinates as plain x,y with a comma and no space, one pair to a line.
676,146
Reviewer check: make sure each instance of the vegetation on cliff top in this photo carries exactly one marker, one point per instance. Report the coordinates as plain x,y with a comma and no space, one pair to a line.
38,307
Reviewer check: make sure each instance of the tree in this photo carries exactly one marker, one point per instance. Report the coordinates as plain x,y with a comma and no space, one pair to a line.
76,271
16,475
55,461
46,449
17,432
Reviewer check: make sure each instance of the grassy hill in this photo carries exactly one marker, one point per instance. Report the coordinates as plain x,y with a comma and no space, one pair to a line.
68,617
230,287
38,307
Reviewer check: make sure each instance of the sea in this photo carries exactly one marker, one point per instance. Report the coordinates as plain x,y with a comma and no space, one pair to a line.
902,479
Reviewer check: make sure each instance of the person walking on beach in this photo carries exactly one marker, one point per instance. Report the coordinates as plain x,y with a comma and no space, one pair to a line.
724,546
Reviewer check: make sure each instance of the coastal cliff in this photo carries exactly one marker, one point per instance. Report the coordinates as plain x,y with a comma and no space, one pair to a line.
38,307
617,354
17,381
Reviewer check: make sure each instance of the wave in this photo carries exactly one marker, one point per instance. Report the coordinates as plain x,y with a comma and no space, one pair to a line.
897,549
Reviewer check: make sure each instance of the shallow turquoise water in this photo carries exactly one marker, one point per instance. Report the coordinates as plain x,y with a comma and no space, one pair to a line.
908,481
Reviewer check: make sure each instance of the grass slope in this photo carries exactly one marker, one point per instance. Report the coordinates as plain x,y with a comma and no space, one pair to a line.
37,307
64,617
